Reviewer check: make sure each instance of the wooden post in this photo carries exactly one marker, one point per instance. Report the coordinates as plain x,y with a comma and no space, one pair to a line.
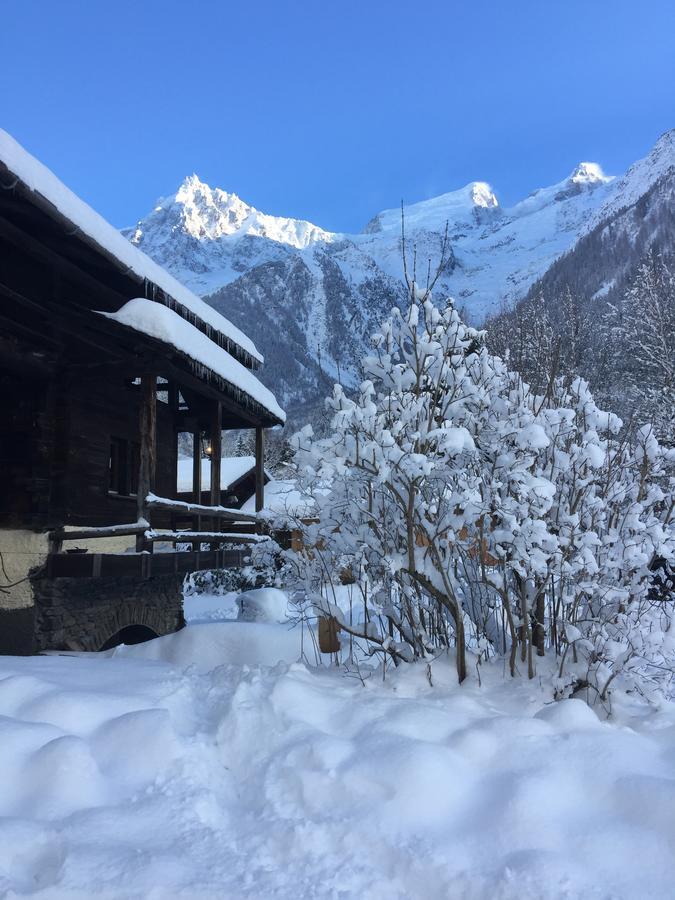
148,453
196,478
196,467
259,468
216,451
216,456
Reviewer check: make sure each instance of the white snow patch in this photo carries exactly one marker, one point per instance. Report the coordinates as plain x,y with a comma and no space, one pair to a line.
283,498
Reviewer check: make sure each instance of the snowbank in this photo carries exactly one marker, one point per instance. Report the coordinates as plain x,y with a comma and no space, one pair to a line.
263,605
197,766
205,646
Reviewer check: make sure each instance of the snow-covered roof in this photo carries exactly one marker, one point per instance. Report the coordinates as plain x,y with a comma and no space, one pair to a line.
162,323
232,468
283,498
42,181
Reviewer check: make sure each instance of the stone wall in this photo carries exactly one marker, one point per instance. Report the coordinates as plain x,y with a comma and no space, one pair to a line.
20,551
84,613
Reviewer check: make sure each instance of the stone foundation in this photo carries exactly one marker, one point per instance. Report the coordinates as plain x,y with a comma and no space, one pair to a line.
84,613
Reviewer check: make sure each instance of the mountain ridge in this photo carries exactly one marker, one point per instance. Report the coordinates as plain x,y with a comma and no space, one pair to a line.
325,292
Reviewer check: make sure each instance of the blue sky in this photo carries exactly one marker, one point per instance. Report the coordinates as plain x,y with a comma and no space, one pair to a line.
332,111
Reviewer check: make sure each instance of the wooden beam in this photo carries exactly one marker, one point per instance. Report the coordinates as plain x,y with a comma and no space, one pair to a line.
122,350
43,252
174,367
259,468
67,320
84,565
83,534
148,452
173,397
197,509
190,537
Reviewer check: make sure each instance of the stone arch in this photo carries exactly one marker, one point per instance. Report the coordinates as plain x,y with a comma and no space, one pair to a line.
130,634
126,616
86,613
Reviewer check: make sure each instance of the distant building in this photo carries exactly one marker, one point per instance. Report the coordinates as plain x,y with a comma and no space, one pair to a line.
104,360
237,480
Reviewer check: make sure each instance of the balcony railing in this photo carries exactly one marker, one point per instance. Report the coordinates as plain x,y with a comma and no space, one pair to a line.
210,548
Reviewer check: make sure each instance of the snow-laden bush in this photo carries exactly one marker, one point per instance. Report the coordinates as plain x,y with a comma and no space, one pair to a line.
467,510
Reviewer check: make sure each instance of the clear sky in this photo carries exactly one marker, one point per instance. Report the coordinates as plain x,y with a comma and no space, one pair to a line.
332,111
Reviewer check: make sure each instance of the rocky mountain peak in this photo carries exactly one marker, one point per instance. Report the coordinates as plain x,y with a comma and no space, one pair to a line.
482,195
588,173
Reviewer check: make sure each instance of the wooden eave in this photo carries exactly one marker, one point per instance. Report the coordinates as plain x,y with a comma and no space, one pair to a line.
70,317
84,253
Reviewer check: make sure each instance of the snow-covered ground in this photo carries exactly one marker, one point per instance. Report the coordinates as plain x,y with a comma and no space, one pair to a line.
213,764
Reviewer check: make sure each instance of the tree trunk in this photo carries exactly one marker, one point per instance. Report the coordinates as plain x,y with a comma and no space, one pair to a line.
539,630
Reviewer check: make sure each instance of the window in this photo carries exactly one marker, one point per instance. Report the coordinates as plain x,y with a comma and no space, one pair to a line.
123,467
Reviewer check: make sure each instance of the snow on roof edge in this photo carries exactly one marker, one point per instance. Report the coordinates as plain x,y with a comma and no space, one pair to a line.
38,178
162,323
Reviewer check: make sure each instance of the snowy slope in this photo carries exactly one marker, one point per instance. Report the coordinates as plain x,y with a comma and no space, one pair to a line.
211,763
496,253
324,294
639,179
637,215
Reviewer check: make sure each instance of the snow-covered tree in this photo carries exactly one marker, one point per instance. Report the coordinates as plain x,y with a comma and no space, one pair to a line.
642,334
470,510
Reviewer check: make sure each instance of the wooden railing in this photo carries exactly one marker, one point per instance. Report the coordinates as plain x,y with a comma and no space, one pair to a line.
197,509
226,548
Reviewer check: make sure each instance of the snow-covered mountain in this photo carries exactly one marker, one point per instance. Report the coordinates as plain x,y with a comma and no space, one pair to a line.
210,236
313,297
497,252
637,215
659,164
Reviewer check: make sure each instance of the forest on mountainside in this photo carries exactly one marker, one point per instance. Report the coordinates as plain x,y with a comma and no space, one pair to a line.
606,311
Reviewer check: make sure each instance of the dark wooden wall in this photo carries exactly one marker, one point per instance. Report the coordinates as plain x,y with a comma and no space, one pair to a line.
55,451
26,442
59,410
99,411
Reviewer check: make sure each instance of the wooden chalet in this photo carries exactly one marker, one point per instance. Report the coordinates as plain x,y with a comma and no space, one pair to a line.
104,360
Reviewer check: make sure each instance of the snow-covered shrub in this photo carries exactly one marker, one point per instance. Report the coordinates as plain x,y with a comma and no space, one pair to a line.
468,510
